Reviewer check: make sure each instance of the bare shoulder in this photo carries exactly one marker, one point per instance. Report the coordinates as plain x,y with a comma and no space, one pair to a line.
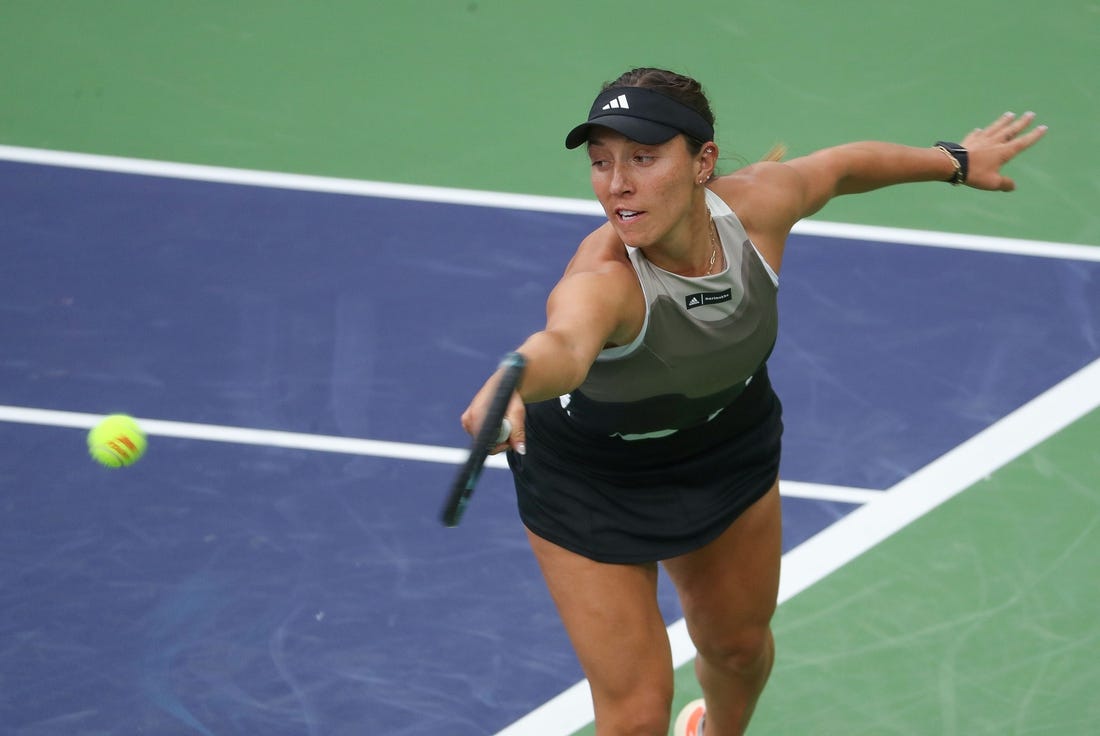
601,251
599,291
760,190
766,197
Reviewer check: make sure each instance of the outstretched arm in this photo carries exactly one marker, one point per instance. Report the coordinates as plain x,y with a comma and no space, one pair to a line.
593,305
862,167
771,196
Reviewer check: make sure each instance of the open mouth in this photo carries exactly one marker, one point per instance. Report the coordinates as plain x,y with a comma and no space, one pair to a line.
628,215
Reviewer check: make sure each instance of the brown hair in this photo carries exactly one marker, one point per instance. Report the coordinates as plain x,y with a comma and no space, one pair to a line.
681,88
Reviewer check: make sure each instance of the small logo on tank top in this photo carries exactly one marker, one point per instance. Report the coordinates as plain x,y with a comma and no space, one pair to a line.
705,298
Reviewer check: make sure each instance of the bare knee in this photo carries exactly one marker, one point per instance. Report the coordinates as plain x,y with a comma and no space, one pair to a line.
642,712
748,650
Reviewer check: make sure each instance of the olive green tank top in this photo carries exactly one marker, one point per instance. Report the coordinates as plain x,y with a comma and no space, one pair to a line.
703,339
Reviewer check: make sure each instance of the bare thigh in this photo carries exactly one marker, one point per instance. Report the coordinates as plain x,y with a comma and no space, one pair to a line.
611,615
728,589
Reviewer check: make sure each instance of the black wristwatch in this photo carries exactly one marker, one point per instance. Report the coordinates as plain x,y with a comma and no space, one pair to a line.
959,156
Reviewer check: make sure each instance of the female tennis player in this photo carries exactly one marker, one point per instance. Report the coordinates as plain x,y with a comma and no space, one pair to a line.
645,428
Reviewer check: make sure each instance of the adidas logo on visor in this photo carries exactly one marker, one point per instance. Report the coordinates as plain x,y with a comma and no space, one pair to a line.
617,103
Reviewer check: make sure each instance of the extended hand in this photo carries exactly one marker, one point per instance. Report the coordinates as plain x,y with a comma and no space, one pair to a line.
992,147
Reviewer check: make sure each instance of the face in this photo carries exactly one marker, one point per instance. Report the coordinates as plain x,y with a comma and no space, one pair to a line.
647,191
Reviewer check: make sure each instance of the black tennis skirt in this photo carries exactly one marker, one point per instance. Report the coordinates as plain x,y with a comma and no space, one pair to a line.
638,501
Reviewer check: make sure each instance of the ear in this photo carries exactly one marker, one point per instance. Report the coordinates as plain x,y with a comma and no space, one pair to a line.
706,161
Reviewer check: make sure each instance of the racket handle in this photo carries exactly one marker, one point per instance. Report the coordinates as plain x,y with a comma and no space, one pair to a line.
487,438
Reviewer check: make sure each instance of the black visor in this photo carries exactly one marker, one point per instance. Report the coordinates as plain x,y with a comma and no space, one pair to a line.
643,115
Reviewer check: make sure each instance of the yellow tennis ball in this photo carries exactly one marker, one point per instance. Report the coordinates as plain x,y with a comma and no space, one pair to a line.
116,441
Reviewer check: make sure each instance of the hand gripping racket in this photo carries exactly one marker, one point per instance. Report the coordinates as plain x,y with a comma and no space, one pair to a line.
487,438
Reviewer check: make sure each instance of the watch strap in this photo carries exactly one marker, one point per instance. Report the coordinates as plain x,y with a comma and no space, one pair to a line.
959,156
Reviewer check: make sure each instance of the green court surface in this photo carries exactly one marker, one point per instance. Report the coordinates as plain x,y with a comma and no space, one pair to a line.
981,617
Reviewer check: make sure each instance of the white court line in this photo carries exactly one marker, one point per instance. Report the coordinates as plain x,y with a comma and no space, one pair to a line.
348,445
245,436
531,202
859,531
825,492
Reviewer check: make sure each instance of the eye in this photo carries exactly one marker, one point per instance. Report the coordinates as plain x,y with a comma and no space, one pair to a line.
644,158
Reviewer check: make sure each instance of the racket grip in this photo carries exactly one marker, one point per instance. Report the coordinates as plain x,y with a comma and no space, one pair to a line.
512,366
511,371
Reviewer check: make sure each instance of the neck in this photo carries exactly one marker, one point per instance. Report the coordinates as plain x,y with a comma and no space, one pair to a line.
716,259
698,254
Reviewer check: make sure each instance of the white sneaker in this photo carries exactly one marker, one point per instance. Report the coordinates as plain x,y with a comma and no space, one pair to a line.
690,720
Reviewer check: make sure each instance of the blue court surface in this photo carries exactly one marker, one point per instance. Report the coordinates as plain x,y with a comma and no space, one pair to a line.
232,583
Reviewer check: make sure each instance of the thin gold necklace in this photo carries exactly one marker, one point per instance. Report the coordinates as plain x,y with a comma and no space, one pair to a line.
713,243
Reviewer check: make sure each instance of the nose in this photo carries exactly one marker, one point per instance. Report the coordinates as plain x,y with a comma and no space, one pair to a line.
620,180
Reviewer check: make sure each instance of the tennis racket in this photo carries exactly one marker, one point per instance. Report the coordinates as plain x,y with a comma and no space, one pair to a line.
487,438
